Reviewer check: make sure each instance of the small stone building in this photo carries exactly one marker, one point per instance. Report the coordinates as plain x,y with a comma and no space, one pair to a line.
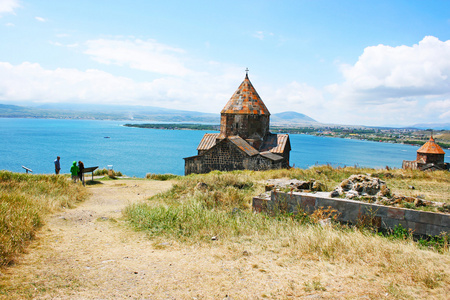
429,157
244,141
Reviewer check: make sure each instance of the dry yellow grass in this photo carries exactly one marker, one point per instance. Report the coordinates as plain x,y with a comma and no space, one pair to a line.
348,260
444,137
24,201
90,253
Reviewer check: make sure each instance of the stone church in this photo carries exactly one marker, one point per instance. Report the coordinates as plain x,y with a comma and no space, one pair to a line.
430,157
244,141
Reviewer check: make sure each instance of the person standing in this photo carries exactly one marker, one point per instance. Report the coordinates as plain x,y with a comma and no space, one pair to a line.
57,165
74,171
80,172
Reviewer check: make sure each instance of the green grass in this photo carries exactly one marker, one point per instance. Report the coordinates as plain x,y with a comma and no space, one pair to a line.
220,202
200,207
25,200
161,177
104,171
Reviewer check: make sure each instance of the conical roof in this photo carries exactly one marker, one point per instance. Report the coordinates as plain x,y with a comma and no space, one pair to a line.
431,147
245,101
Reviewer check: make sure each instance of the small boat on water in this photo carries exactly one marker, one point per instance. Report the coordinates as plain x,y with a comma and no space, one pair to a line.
107,137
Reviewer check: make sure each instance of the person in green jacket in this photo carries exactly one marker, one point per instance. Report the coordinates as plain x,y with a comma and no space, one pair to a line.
74,171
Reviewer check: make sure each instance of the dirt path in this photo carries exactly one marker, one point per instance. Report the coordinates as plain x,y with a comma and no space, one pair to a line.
89,252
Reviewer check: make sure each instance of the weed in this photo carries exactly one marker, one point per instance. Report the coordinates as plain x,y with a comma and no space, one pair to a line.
314,285
325,213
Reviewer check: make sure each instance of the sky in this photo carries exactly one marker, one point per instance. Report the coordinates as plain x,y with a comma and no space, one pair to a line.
356,62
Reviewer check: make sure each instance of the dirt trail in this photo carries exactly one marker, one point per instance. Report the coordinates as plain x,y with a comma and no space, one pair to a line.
90,253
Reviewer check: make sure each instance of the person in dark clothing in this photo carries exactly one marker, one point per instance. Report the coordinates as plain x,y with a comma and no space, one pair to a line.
57,165
80,172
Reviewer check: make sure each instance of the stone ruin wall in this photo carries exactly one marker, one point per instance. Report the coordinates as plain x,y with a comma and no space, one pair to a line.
356,212
409,164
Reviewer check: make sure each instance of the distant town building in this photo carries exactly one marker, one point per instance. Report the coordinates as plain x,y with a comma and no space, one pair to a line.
429,157
244,141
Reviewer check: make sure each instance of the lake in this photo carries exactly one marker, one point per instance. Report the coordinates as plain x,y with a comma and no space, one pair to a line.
35,143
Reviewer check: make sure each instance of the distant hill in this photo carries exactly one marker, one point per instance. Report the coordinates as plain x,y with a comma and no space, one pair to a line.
135,113
106,112
435,126
14,111
291,118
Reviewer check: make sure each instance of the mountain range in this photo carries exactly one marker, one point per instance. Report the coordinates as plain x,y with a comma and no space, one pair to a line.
158,114
136,113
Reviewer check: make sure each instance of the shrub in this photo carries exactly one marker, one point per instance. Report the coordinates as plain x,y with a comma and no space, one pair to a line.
104,171
161,177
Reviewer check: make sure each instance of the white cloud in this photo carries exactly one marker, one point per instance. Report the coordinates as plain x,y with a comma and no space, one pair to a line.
294,96
40,19
261,35
63,45
9,25
395,85
387,86
146,55
8,6
384,73
56,44
441,108
201,92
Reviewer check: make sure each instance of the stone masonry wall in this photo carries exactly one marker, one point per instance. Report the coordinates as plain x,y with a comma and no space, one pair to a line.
431,158
409,164
226,157
245,126
420,222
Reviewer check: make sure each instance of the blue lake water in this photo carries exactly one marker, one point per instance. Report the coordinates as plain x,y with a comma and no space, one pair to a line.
35,143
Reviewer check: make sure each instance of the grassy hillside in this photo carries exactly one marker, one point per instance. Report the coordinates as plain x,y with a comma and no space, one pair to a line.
24,202
214,210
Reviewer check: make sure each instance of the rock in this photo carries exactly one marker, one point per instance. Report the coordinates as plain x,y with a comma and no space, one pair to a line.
325,222
317,186
408,199
334,194
214,238
304,185
269,187
418,202
352,194
411,187
361,184
201,186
